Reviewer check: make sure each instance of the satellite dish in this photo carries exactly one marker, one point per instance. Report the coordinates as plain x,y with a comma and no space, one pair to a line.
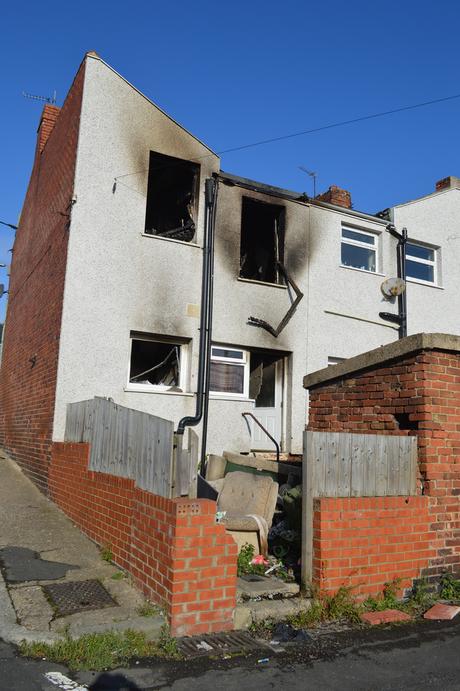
393,287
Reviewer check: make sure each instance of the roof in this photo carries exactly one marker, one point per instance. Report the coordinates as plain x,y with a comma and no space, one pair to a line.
379,356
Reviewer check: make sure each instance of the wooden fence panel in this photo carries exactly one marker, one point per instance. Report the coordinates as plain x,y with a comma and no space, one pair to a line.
125,443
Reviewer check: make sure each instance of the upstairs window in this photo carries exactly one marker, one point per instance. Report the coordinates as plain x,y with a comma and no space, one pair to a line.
421,263
172,195
262,241
359,249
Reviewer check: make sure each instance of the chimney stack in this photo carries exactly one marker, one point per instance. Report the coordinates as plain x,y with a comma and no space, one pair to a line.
451,182
336,195
48,120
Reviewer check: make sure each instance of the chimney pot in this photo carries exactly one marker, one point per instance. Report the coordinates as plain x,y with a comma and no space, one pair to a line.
48,120
448,183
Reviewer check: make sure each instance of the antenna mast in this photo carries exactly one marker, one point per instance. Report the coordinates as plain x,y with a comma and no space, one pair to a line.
45,99
313,175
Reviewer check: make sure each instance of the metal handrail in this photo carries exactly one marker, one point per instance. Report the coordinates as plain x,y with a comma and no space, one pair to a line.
277,446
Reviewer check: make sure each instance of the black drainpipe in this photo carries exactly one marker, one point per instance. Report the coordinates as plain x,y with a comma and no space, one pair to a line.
401,317
206,307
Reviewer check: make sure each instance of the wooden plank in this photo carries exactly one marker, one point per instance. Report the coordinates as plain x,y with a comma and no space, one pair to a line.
331,464
344,457
357,466
193,445
381,466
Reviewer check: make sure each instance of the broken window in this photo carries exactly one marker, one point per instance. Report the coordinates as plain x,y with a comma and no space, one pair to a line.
159,364
172,195
263,380
262,241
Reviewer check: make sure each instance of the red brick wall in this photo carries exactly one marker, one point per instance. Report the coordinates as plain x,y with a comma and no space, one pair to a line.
174,549
367,542
425,387
31,337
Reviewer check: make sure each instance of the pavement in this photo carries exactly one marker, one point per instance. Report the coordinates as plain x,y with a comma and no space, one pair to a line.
40,547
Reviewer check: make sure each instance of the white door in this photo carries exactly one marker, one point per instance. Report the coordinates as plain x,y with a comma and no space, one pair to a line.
268,407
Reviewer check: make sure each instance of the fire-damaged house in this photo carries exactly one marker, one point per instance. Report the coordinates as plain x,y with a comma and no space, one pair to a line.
108,276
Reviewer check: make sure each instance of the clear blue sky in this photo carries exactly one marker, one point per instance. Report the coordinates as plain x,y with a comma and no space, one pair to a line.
233,73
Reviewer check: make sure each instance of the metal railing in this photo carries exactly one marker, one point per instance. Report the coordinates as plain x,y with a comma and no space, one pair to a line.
277,446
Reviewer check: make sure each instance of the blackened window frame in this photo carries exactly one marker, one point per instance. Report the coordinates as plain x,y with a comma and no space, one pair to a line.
279,217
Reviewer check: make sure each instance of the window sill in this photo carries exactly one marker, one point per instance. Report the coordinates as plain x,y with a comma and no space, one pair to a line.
177,242
147,389
423,283
362,271
261,283
228,397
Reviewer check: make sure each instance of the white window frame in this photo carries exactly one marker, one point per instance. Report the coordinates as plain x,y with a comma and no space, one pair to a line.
366,245
243,362
428,262
184,356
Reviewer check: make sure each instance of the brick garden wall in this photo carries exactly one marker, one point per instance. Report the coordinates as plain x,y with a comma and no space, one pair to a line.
369,541
31,337
423,388
175,551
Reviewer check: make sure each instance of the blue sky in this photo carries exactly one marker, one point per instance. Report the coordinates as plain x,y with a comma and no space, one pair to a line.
234,73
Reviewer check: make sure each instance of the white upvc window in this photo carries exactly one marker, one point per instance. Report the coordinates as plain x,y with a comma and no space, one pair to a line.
229,371
359,249
157,364
421,263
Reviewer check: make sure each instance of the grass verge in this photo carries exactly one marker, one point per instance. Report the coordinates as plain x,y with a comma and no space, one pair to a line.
101,651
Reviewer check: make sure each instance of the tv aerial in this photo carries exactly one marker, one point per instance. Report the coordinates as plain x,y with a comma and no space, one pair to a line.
393,287
313,175
44,99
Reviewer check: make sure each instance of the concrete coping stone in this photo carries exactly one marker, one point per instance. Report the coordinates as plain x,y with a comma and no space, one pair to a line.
384,354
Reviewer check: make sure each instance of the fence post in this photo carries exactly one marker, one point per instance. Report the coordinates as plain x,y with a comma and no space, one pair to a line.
307,513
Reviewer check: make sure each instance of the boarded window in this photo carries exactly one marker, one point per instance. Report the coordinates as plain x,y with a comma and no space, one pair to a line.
262,241
172,197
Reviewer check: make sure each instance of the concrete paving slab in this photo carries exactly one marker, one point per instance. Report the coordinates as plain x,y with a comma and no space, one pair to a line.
256,587
441,611
32,608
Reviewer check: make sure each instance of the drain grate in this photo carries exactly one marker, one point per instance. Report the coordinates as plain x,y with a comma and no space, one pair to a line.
221,643
78,596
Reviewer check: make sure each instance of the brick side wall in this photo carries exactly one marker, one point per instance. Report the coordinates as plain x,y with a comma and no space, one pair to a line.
175,551
367,542
425,388
31,339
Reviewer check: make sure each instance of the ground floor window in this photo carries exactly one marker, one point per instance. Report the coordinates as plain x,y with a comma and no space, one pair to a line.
157,363
229,373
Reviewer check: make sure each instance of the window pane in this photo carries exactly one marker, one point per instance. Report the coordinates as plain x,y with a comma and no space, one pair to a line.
223,352
422,272
356,235
226,378
358,257
419,251
154,363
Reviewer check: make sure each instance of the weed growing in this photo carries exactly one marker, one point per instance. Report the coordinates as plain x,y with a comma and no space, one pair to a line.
450,588
106,553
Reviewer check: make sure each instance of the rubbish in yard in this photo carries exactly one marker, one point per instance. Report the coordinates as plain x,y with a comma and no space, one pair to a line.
204,646
263,661
285,633
259,559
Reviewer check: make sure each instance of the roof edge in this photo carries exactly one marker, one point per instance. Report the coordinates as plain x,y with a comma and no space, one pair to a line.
94,56
391,351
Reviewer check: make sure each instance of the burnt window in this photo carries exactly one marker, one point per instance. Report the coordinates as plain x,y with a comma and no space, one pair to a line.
171,197
262,241
159,364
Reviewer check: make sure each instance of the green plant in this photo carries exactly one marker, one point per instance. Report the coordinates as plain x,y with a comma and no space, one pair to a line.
387,599
340,606
95,651
450,587
148,610
106,553
244,563
167,645
422,596
118,576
